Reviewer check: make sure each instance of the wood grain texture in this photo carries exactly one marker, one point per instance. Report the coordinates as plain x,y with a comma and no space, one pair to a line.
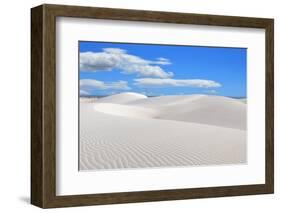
36,106
43,105
269,118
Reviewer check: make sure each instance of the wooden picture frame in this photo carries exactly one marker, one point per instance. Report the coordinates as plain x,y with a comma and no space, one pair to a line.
43,105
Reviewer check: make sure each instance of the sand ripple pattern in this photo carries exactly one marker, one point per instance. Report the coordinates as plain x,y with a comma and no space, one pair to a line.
144,139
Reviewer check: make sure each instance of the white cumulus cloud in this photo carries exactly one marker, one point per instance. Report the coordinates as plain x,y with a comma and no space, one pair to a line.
88,84
161,61
115,58
158,82
83,92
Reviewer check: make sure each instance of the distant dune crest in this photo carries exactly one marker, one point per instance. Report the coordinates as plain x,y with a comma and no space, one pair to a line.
213,110
122,98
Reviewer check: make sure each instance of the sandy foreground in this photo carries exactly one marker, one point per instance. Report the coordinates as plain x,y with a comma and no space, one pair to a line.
130,130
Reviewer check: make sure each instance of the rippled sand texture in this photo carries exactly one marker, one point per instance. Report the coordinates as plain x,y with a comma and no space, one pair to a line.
129,130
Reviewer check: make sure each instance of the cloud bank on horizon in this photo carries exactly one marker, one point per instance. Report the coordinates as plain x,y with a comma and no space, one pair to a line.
156,82
108,70
92,83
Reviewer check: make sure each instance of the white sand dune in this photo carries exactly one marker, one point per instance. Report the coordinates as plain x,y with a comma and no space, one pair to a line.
129,130
214,110
243,100
122,98
125,110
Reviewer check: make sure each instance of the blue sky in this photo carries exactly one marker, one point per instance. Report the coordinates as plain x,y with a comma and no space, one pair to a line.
109,68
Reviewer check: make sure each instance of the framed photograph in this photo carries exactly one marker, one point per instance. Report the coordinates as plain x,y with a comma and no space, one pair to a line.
136,106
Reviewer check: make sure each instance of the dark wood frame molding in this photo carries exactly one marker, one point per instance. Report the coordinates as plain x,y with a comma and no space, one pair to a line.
43,105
